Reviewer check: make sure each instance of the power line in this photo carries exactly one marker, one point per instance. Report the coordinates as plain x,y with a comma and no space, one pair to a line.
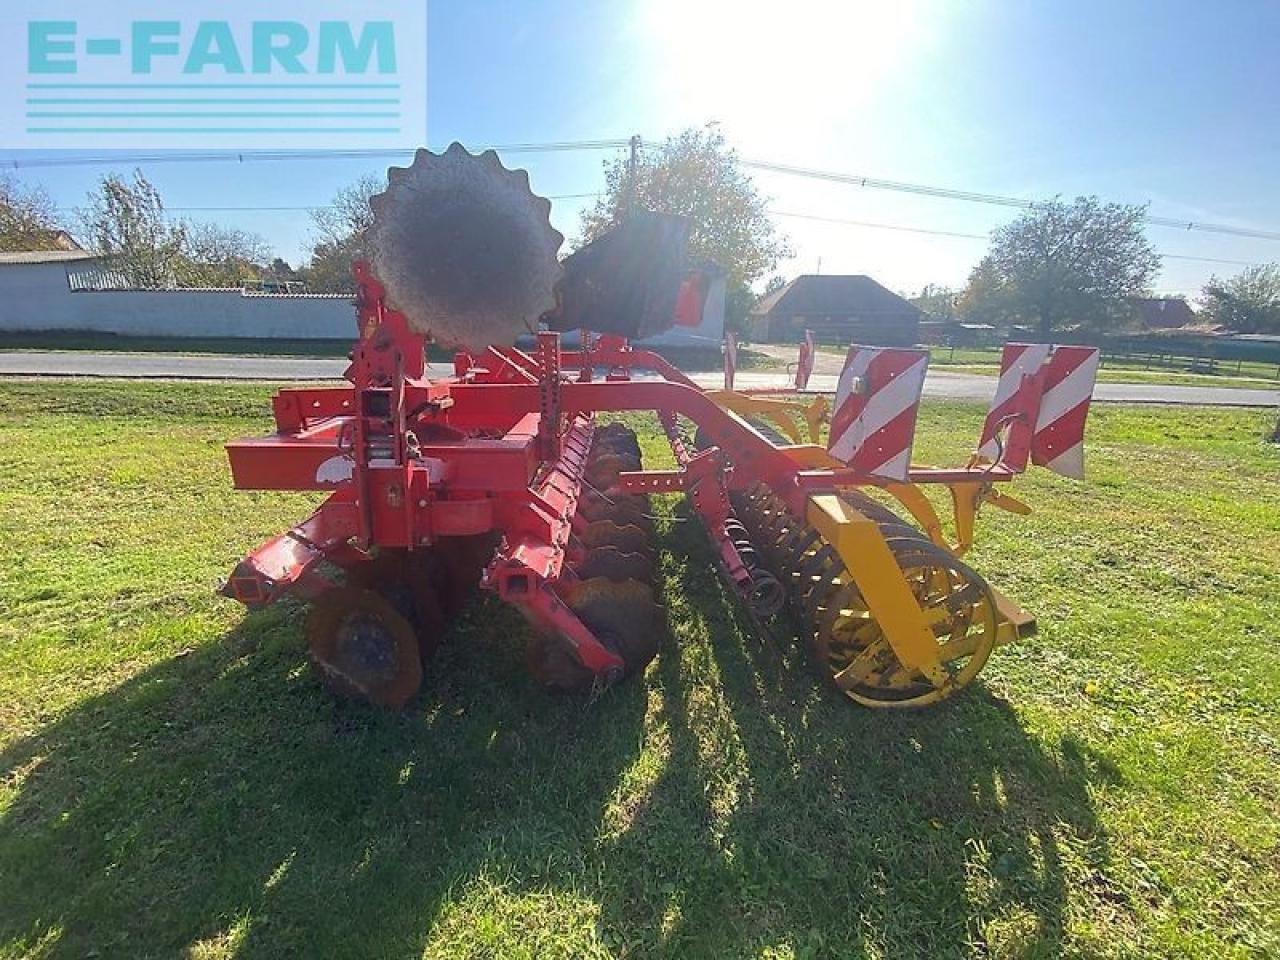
249,208
860,180
878,226
976,236
268,155
946,193
870,224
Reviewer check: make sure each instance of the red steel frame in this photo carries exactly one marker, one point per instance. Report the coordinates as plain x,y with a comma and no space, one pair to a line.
501,446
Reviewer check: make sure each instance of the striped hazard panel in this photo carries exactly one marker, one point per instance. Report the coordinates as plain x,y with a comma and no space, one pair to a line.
877,398
1048,387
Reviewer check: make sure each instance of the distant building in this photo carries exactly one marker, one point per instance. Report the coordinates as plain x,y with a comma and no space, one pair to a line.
32,279
838,309
1164,313
73,290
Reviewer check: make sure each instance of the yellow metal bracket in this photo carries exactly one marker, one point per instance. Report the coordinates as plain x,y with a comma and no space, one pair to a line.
781,412
967,496
857,540
918,505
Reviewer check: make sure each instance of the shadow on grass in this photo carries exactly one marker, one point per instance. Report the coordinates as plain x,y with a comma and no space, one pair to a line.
800,821
221,797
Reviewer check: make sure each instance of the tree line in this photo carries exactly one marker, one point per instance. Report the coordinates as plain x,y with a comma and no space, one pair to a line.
123,220
1060,265
1080,266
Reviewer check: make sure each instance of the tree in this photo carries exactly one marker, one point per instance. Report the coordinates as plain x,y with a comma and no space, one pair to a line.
218,256
774,284
939,302
279,269
126,224
1062,265
342,229
697,175
1249,302
28,219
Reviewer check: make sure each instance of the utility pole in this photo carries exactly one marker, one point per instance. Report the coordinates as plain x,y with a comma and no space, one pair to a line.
633,163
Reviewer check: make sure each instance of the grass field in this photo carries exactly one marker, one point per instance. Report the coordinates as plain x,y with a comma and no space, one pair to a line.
1114,369
173,782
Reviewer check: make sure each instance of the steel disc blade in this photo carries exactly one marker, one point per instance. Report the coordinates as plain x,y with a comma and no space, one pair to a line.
606,533
408,580
362,648
622,509
621,614
602,472
614,564
551,662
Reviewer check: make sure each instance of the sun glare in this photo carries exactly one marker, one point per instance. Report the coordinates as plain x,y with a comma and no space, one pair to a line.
763,68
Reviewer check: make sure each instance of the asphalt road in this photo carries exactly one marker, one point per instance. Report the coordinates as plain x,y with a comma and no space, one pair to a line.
165,366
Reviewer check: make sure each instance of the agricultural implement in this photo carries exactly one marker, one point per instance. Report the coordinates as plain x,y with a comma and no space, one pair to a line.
503,473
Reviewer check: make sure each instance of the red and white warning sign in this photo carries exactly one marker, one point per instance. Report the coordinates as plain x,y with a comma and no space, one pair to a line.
877,398
1050,387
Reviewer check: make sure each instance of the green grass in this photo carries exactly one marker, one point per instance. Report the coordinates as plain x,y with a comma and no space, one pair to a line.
1249,374
173,781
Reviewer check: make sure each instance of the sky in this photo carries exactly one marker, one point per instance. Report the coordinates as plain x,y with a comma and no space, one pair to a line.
1170,103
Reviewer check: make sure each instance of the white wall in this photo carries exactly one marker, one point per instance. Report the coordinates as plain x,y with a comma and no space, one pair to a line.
37,297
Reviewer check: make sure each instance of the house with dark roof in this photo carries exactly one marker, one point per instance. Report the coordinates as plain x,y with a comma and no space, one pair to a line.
838,309
1163,313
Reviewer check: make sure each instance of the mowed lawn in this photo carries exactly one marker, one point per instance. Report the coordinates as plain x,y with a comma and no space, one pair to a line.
174,782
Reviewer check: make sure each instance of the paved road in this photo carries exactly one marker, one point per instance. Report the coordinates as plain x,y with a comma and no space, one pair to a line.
958,386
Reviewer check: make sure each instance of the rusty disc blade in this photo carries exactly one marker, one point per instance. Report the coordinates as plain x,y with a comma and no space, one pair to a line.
606,533
602,471
621,614
622,509
409,581
464,248
362,648
613,430
616,438
552,663
614,564
615,447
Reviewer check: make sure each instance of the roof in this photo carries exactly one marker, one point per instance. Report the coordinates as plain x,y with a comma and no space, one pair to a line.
1164,312
821,295
46,256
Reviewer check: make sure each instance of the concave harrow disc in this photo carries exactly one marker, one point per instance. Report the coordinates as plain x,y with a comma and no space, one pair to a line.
606,533
413,583
615,564
361,647
610,596
464,249
623,509
621,615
